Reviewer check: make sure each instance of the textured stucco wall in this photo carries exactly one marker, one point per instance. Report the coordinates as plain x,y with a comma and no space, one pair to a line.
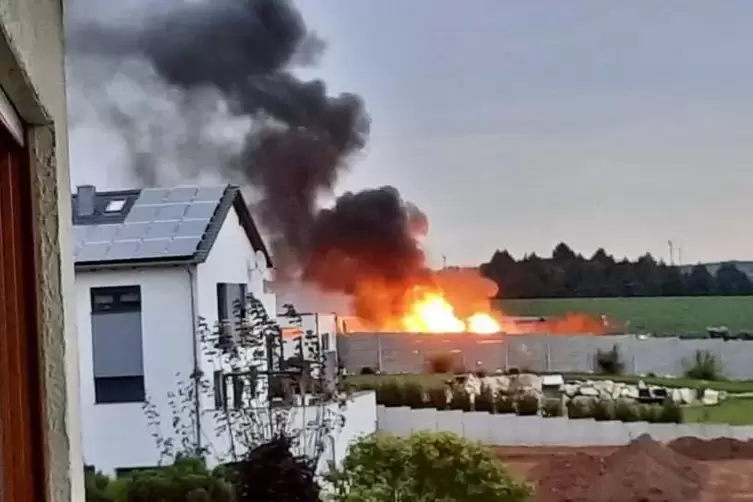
32,74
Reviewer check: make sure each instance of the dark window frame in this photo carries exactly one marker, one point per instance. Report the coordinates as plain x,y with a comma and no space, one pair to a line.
135,394
120,302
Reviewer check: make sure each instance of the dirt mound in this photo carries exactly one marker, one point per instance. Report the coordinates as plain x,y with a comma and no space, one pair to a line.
566,477
713,449
647,471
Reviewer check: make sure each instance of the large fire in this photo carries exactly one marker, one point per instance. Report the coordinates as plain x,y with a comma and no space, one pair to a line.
432,313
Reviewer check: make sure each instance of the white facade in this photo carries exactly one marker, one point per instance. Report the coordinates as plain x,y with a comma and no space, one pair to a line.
172,298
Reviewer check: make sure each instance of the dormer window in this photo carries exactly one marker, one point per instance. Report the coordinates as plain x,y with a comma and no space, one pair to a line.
115,205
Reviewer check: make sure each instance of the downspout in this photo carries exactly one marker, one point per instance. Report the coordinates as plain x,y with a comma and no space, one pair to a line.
196,368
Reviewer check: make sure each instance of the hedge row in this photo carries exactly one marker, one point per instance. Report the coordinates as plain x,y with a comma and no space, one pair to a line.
392,393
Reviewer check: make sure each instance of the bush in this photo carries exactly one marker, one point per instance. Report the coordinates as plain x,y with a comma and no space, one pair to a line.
603,410
460,400
649,412
413,395
669,413
527,405
485,400
609,362
578,409
552,407
704,366
390,393
426,466
186,480
368,371
625,411
96,486
442,363
437,398
505,404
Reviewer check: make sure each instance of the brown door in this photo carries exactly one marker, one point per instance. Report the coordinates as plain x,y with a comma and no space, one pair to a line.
21,414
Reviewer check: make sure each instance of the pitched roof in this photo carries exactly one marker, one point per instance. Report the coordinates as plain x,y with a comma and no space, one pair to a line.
155,226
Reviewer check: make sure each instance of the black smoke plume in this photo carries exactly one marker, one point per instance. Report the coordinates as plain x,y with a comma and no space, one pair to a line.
242,54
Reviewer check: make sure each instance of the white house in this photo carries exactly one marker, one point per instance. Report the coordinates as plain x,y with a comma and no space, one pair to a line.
148,264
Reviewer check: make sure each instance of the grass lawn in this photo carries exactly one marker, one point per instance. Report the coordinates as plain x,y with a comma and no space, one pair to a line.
431,380
681,315
734,411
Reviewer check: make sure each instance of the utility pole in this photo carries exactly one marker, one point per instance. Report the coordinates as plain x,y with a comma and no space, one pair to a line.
671,253
444,262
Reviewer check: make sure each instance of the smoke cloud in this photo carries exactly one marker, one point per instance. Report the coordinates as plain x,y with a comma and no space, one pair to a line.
180,81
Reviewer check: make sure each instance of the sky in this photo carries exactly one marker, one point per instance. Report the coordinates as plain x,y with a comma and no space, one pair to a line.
518,125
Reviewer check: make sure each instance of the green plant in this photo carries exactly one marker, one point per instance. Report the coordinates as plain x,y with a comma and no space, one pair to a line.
603,410
579,409
626,411
552,407
609,362
669,413
461,400
425,467
442,363
390,393
703,366
649,413
96,486
485,400
413,395
505,404
527,405
437,398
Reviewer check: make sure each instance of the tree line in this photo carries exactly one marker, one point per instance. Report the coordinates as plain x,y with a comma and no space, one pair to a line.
567,274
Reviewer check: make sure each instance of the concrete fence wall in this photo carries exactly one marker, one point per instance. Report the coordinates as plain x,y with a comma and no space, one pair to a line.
409,353
514,430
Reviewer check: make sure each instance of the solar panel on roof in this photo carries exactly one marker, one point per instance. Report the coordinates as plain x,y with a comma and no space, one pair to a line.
151,196
209,194
101,233
183,246
162,230
92,252
152,248
141,214
132,231
200,211
193,228
171,212
181,194
123,250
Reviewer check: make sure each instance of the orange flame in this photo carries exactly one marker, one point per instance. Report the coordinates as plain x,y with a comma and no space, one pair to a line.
432,313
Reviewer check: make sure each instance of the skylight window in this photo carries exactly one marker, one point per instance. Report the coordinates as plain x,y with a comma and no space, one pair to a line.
115,205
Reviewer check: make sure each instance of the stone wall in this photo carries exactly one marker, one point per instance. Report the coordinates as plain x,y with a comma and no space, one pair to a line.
408,353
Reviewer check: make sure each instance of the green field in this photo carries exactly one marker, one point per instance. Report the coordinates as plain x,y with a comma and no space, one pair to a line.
663,316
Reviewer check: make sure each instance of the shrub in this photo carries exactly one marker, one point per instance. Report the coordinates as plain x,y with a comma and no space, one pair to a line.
552,407
442,363
460,400
669,413
485,400
579,409
603,410
505,404
187,479
390,393
625,411
368,371
437,398
413,395
96,487
482,373
703,366
527,405
609,362
649,412
426,466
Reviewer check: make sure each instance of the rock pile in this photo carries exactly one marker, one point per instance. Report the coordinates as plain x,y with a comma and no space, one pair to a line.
608,389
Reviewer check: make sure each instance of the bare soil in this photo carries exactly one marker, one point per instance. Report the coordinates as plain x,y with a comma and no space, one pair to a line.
686,470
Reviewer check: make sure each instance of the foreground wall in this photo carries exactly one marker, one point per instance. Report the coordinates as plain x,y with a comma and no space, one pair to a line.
33,77
408,353
514,430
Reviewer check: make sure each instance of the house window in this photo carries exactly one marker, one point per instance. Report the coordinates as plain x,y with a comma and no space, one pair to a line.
231,309
232,389
117,345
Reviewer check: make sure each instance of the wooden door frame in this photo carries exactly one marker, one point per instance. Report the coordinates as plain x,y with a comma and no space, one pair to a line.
22,411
